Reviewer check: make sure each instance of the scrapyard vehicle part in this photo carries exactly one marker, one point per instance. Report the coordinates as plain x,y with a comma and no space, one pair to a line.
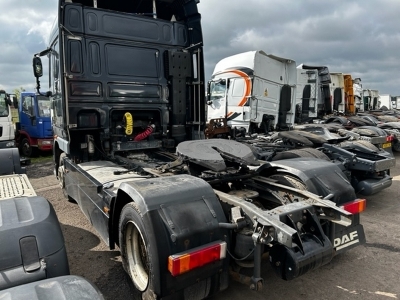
35,247
69,287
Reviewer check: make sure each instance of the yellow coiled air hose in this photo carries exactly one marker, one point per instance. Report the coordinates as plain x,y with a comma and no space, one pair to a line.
128,120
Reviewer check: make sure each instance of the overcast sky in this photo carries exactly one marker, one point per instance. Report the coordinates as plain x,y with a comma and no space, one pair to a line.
357,37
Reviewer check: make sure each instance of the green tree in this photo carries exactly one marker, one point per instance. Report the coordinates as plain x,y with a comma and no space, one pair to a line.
17,92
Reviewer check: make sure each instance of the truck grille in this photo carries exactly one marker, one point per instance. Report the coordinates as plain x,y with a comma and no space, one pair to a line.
16,185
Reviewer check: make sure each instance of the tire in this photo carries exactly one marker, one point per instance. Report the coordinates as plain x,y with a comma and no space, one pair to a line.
26,149
133,242
396,146
290,181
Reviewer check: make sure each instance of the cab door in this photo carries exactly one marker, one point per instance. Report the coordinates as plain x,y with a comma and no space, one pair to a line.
28,115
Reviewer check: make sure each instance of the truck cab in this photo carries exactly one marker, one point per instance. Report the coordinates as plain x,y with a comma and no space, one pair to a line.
33,131
337,92
251,89
313,91
126,83
350,108
6,124
358,91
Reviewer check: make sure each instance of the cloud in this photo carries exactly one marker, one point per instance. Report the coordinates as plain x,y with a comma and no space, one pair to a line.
356,37
360,38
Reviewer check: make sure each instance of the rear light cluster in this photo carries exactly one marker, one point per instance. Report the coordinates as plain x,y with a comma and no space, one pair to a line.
389,138
186,261
356,206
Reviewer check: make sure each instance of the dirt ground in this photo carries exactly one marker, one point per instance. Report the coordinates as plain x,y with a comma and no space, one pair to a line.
370,271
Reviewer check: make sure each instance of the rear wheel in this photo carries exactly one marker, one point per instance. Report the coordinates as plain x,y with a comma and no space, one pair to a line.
26,148
133,241
396,146
137,257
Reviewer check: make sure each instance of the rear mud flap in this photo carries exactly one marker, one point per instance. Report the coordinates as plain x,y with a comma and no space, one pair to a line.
348,237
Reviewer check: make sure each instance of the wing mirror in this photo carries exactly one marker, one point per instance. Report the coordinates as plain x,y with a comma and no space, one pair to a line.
37,67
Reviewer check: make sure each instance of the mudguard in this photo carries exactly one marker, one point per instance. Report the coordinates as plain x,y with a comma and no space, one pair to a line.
321,177
179,213
10,162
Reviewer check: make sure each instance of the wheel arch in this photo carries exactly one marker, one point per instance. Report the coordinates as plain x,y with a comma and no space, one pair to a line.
23,134
321,177
164,203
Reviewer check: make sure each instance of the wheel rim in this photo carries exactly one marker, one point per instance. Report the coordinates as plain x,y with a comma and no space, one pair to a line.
26,148
136,254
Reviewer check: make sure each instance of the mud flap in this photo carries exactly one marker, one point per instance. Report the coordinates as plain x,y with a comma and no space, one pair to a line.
348,237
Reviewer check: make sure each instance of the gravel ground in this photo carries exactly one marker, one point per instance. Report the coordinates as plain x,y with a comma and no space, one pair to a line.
369,271
88,255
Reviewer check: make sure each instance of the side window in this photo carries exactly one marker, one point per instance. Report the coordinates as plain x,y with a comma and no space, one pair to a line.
55,75
238,88
55,69
238,92
28,105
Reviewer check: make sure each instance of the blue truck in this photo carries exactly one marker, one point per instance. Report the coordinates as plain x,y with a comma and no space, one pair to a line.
33,131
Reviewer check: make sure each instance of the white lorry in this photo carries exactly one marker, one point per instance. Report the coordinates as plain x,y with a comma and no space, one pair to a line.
386,101
371,99
312,91
258,91
253,88
337,93
7,133
358,91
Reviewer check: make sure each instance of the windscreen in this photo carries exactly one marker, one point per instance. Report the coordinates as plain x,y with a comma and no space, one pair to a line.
4,110
44,106
217,90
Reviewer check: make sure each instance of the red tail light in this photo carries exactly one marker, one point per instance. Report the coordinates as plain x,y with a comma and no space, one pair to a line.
389,138
185,261
355,206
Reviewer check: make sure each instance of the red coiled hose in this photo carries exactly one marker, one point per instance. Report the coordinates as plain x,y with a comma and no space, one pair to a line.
141,136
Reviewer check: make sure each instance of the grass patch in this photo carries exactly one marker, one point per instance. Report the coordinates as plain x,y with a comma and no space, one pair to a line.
42,158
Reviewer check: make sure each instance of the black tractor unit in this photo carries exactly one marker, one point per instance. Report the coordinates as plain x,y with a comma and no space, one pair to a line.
128,114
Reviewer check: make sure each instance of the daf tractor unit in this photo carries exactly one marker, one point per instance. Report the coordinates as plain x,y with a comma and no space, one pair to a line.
128,104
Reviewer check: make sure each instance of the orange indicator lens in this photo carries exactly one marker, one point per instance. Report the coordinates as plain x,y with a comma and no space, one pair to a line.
355,206
185,261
